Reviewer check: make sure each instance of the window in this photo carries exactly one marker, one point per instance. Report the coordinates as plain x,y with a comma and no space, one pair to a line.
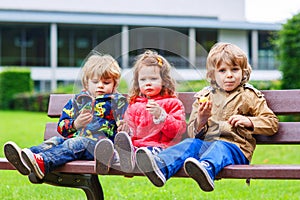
24,45
266,57
170,43
76,42
205,40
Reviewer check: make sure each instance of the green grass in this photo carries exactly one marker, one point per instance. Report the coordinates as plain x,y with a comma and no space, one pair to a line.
26,129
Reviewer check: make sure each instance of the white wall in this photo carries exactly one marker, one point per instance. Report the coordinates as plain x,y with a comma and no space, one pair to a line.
236,37
229,10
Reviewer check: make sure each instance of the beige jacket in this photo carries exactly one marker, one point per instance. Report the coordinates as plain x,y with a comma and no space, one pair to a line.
245,100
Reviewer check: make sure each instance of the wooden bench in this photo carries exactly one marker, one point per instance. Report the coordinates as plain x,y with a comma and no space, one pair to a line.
81,174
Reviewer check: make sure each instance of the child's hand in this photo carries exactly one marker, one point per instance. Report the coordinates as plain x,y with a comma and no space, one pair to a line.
240,120
154,108
84,118
123,126
204,112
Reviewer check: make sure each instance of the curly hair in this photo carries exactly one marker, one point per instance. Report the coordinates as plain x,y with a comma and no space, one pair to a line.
104,66
152,58
230,54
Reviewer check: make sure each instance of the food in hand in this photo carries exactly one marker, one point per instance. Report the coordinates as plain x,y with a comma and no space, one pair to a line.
203,99
150,101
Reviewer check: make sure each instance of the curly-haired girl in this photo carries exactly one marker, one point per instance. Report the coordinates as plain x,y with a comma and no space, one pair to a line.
155,115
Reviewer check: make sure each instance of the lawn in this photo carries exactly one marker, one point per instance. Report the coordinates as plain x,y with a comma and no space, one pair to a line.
26,129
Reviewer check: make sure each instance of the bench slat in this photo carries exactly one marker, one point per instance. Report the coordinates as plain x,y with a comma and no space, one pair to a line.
259,171
4,164
288,134
56,104
50,130
263,171
282,102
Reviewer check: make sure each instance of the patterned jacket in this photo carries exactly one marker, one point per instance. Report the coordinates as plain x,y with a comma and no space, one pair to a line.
107,110
146,132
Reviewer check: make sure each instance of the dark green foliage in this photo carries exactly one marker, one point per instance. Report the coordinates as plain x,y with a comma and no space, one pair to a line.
65,89
288,46
191,86
266,85
197,85
13,81
31,102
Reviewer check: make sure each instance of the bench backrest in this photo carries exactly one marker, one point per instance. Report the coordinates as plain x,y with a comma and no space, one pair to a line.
282,102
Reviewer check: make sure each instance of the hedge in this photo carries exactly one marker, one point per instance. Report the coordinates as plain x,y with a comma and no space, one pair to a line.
31,102
13,80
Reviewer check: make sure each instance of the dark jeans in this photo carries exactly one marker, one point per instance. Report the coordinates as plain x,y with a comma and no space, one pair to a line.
57,151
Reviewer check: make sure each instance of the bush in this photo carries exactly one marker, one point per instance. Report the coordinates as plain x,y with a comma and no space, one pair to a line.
288,46
197,85
73,88
65,89
191,86
31,102
266,85
13,81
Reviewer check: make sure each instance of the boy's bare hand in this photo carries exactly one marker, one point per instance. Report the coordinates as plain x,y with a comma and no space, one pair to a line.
240,120
204,112
84,118
123,126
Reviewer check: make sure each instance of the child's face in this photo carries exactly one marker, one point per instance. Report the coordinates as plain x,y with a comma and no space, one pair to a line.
150,82
97,86
228,77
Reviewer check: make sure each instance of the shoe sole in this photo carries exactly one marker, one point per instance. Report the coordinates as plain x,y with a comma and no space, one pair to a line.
125,151
149,168
14,157
200,175
104,152
28,157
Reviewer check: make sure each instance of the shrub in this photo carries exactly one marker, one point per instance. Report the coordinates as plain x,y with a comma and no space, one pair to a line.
266,85
31,102
13,81
288,46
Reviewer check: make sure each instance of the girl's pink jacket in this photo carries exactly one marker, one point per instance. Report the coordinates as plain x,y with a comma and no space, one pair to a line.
164,134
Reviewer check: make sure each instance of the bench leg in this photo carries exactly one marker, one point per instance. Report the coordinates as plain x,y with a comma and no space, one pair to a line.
88,182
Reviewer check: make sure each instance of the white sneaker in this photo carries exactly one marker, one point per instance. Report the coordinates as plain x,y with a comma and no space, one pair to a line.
198,172
104,152
125,149
147,165
13,154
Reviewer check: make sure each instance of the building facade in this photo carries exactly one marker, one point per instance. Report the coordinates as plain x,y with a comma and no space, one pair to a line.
54,37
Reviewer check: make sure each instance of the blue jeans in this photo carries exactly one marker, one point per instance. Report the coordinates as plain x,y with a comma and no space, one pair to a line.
218,153
57,151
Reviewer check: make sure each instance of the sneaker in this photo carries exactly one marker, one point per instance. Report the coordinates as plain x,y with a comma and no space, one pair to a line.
104,152
13,154
148,166
125,149
197,170
35,162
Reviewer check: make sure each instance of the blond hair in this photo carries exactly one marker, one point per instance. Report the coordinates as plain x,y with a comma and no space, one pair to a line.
103,66
229,54
147,59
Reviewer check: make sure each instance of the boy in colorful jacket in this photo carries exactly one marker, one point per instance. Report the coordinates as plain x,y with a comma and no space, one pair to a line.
89,117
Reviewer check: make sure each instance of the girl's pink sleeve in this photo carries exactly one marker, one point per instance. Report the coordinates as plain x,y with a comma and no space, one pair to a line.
175,123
